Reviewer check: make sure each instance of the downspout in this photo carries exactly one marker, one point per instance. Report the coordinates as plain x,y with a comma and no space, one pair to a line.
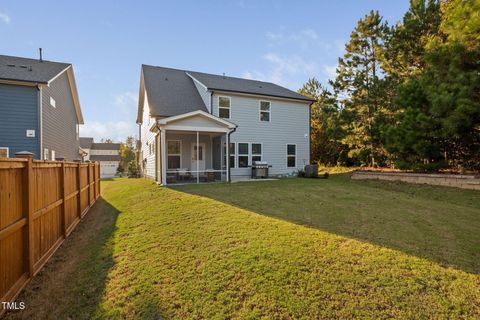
228,160
211,102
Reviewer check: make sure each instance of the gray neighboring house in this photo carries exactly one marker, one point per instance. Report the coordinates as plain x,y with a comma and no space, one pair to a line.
187,119
108,154
39,109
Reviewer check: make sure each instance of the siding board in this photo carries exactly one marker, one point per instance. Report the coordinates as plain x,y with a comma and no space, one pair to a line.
19,113
59,123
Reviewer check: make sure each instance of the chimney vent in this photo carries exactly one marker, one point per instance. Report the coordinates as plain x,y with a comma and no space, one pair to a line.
223,75
40,50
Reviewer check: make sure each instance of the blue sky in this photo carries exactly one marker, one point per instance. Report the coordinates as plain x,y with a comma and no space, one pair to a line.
285,42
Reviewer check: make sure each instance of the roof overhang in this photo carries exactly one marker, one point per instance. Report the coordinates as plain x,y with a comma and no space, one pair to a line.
194,121
141,98
73,89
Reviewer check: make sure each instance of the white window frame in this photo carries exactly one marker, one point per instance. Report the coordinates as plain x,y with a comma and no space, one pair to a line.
256,154
243,155
180,155
53,103
52,155
224,155
260,110
45,154
287,155
8,151
229,107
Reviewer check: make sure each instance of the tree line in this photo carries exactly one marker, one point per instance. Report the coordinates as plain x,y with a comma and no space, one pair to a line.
405,95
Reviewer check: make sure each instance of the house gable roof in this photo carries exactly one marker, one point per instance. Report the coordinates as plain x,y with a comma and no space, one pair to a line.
171,92
86,143
198,114
168,91
231,84
29,70
36,72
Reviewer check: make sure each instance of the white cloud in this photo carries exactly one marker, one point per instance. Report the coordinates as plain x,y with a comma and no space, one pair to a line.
117,131
330,71
284,70
5,18
126,103
125,109
304,38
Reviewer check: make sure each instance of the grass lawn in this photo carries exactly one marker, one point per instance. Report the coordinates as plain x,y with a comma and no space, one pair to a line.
369,249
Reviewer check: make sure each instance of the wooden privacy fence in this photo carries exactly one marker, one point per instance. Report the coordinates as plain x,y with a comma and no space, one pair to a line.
41,202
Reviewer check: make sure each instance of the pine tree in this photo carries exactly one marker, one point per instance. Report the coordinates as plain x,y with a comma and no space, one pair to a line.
325,131
362,89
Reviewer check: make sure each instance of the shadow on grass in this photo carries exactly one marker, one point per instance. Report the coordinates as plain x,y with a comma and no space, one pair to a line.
436,223
72,283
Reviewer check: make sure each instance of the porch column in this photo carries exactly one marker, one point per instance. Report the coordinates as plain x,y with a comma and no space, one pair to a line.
198,166
227,152
163,155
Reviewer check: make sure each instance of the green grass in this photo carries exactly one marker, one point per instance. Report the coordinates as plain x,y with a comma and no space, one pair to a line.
213,252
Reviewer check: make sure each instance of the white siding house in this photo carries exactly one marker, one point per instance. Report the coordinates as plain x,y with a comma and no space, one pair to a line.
108,154
187,119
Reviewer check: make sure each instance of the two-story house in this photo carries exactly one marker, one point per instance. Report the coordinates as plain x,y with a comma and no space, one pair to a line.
39,109
107,153
187,119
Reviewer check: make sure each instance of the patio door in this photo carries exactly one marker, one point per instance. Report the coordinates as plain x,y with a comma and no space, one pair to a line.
201,156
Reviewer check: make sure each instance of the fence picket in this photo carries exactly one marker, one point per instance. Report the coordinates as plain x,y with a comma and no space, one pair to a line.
35,219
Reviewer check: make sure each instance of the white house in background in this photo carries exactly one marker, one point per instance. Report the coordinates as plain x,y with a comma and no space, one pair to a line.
186,119
108,154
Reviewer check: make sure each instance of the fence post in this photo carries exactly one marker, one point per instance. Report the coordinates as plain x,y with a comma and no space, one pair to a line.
64,204
28,199
97,168
79,187
89,185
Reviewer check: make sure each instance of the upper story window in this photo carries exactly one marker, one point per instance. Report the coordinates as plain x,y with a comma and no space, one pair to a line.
224,107
53,103
265,111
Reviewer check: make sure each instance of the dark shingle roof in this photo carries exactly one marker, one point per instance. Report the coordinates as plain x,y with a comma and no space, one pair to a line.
30,70
170,91
104,158
106,146
86,143
223,83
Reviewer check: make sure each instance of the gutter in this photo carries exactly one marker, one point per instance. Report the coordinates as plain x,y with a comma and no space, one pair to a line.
211,101
229,169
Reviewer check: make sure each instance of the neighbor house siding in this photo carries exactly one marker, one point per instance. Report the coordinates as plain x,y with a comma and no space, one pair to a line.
147,138
289,124
19,113
60,122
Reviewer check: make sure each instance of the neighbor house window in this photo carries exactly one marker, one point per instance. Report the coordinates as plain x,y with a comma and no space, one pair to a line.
242,155
53,103
45,154
3,152
291,155
231,152
174,154
265,111
256,152
53,154
224,107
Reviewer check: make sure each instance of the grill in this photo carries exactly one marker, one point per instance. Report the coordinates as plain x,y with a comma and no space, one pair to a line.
260,170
